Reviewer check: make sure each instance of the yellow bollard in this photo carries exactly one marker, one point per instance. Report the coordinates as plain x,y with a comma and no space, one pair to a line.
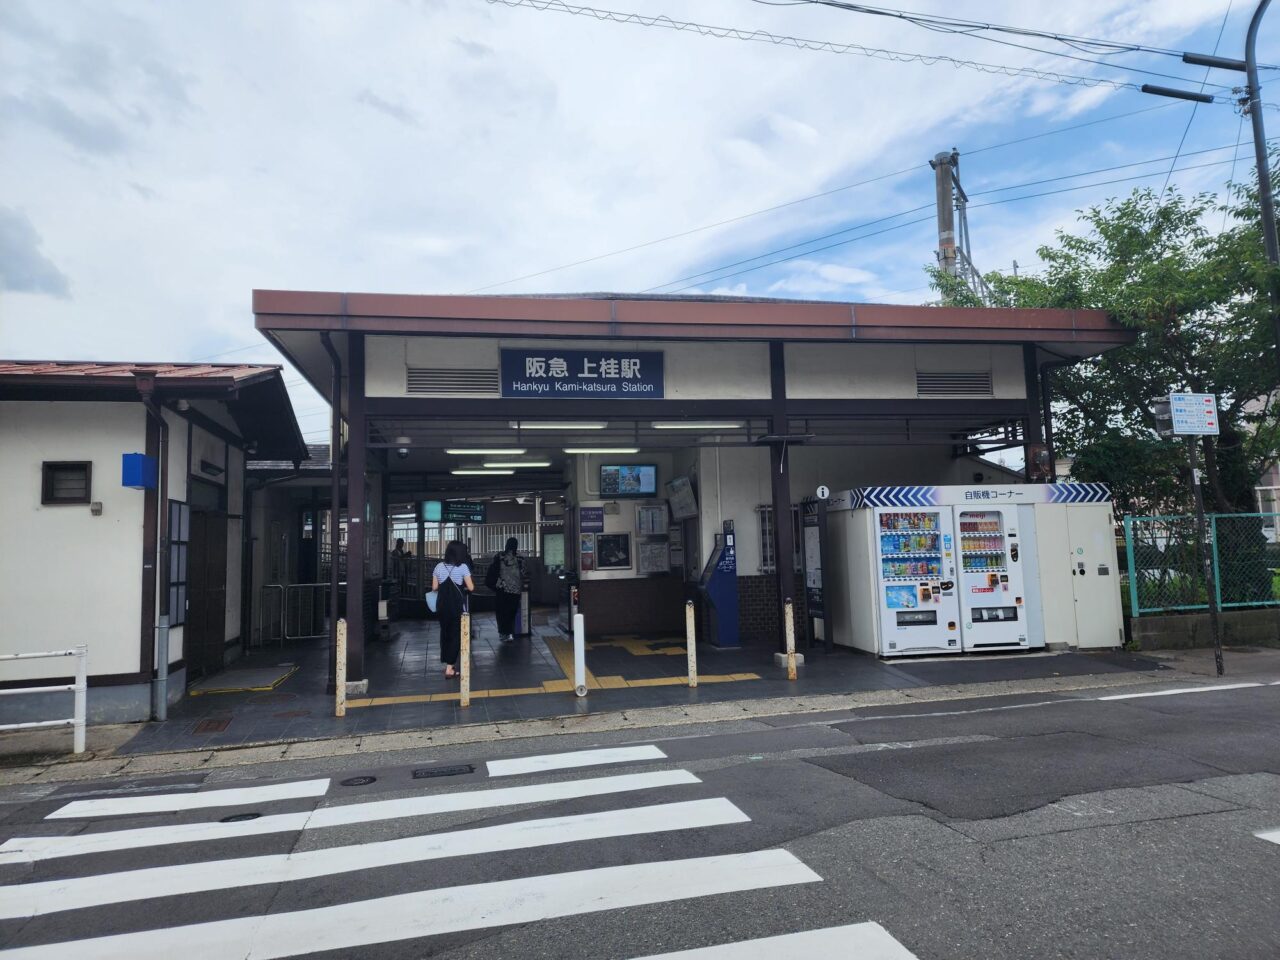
691,642
464,661
789,631
340,671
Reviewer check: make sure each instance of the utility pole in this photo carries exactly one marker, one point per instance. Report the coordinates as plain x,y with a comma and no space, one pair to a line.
943,167
1252,104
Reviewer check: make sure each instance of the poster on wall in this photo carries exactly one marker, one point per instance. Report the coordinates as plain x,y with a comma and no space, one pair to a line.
654,557
591,519
588,561
613,551
587,543
651,521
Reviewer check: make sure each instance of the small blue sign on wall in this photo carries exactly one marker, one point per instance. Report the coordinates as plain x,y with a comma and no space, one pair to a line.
583,374
138,471
591,519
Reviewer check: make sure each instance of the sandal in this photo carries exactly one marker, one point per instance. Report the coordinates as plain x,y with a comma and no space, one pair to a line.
449,672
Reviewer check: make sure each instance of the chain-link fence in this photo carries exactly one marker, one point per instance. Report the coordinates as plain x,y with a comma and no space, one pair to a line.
1165,572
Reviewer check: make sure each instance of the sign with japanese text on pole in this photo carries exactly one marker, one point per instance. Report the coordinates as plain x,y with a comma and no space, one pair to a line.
1194,414
583,374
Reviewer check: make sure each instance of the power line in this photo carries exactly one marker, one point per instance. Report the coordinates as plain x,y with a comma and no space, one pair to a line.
825,46
974,28
1196,105
818,196
900,226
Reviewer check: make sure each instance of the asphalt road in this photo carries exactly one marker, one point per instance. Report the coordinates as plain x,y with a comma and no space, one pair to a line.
1031,826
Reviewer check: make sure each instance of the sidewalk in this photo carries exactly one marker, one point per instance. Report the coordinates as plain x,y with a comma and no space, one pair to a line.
520,690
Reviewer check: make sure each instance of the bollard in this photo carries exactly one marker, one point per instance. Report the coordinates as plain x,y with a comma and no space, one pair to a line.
789,631
579,655
81,691
340,671
464,661
691,642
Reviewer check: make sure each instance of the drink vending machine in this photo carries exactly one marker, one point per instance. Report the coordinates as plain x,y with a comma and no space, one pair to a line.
951,569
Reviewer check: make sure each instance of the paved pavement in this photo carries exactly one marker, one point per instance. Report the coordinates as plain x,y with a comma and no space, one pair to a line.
1139,821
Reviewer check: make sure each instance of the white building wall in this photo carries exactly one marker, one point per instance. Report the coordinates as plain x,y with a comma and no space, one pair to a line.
831,371
66,576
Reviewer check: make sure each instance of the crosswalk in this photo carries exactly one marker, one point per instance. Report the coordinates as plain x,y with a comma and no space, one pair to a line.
100,883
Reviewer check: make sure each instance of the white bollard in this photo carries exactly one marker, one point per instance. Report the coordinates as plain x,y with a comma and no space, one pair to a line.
340,670
579,655
789,631
464,661
691,642
81,699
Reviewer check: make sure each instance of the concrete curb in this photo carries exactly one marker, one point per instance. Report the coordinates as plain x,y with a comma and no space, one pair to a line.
72,769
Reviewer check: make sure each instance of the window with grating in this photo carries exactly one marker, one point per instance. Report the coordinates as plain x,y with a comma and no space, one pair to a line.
765,514
438,381
959,383
65,481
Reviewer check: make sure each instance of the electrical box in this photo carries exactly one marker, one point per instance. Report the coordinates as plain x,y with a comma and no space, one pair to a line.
138,471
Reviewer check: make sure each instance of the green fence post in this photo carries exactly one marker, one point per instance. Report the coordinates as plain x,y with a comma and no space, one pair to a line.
1217,565
1133,569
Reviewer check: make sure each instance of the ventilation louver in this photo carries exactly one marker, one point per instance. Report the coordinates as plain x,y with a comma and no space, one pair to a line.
438,381
970,383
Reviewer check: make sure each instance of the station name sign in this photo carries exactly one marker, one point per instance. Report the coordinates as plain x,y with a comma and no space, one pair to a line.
583,374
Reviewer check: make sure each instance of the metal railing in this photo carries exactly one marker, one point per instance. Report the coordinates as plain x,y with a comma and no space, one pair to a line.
306,610
80,687
1165,574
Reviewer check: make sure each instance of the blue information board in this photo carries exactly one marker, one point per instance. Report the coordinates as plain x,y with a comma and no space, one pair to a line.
583,374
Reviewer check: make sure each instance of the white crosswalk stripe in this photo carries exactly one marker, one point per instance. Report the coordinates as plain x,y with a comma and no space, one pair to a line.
175,802
22,849
1272,835
448,910
857,941
567,761
73,893
394,908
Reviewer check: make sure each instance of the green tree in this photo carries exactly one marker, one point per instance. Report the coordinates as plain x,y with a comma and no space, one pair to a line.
1197,299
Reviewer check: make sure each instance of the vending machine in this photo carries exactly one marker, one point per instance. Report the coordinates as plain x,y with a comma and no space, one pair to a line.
993,597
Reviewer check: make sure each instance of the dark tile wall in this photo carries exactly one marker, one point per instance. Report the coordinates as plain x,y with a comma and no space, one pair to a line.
759,610
639,605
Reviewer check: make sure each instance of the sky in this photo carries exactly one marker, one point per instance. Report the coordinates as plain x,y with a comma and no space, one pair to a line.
159,161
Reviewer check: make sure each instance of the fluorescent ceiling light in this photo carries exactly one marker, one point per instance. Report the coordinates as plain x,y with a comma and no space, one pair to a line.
558,425
482,473
517,464
698,425
601,449
486,452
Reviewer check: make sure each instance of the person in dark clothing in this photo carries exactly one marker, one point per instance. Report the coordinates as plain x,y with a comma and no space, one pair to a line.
452,578
506,578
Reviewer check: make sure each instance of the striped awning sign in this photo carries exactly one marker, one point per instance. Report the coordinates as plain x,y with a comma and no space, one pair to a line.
1079,493
895,497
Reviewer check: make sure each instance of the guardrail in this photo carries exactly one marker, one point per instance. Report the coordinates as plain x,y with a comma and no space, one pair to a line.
77,720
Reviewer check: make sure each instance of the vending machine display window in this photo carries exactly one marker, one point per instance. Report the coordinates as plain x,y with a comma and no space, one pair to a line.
910,547
982,542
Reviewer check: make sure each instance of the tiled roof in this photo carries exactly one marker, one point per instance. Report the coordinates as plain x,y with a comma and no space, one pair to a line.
162,371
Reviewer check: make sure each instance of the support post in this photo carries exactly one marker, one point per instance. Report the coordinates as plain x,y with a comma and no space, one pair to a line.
691,642
789,631
421,560
780,476
1206,560
81,697
942,165
1033,437
357,441
340,667
579,655
335,503
464,660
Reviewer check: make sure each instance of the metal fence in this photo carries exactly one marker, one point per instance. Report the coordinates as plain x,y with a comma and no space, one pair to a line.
1165,573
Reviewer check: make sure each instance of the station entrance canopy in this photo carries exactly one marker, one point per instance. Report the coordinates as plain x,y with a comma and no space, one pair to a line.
418,375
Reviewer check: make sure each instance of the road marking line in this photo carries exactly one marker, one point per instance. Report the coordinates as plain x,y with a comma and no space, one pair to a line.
1173,693
25,849
567,761
427,913
174,802
1272,836
75,893
865,941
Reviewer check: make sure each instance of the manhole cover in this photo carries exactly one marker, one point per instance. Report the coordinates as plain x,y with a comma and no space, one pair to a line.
275,698
454,771
213,725
240,817
286,714
359,781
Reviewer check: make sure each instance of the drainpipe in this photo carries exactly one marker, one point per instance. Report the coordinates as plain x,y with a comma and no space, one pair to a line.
335,495
146,383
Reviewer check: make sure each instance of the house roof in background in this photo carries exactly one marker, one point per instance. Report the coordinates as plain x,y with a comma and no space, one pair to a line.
218,374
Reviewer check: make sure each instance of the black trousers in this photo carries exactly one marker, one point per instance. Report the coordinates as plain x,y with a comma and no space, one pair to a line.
507,606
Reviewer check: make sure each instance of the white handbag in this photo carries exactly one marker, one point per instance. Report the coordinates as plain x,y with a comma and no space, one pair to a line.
433,597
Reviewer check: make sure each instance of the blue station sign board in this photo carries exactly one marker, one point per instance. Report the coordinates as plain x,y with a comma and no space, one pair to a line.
583,374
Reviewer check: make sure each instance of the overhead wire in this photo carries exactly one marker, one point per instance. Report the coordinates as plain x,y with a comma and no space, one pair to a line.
900,226
1195,105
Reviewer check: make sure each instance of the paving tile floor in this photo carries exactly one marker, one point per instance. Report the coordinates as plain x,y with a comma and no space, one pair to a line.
407,689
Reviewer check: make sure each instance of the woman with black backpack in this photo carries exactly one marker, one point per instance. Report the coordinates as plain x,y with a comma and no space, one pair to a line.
505,577
450,577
